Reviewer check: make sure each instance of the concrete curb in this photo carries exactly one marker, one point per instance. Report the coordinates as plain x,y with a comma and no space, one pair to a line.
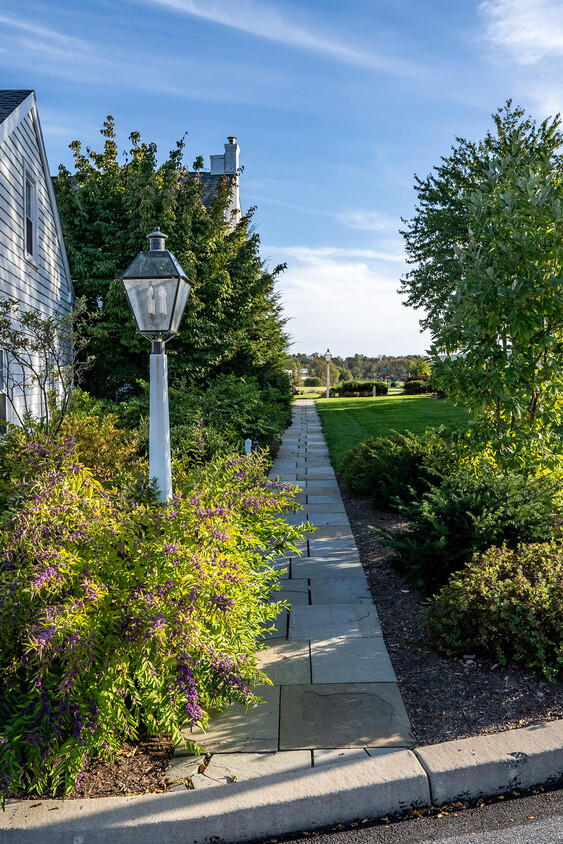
487,765
465,769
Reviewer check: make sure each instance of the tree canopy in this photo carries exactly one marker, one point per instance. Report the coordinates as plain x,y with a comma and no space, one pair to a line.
486,245
232,323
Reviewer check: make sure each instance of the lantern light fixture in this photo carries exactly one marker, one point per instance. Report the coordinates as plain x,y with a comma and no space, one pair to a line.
156,289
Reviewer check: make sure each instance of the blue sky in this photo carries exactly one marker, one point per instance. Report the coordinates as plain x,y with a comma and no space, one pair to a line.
335,105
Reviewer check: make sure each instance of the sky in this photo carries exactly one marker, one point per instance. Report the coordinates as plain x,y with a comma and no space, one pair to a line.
336,104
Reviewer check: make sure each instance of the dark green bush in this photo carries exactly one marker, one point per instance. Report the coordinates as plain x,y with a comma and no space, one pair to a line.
507,604
312,382
467,514
398,468
415,388
231,410
359,388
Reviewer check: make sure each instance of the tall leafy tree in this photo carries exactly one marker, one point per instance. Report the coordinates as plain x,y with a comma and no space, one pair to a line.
486,245
232,323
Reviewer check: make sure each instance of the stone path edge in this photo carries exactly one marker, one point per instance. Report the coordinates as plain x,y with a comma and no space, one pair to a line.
463,769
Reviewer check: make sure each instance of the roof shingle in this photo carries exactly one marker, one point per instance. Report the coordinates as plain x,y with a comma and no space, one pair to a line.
10,100
210,184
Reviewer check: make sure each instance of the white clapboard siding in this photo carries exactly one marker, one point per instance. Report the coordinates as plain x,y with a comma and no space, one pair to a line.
43,283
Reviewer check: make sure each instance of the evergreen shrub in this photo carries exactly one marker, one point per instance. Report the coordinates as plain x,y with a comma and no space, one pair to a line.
217,420
399,468
467,514
415,388
359,388
119,616
506,604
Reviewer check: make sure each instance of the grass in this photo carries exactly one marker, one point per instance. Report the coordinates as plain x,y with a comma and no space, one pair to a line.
311,392
348,422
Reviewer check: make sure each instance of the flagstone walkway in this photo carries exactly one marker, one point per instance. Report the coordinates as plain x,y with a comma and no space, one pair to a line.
335,694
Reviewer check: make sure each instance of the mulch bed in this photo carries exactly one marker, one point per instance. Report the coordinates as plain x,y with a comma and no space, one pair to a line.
445,698
140,768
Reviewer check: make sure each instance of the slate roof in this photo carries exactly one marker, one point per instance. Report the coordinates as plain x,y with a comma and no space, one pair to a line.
10,100
210,185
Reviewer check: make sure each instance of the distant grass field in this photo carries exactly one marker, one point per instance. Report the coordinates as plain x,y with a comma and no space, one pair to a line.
348,422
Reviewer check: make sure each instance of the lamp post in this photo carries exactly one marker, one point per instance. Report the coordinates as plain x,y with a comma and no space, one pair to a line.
328,358
156,289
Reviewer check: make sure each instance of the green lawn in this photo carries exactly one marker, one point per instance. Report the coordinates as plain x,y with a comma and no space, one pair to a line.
347,422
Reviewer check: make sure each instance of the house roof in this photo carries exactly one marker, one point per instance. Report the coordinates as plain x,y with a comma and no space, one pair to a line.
10,100
210,183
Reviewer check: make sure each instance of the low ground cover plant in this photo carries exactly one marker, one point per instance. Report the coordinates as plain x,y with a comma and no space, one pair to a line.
119,616
466,514
507,604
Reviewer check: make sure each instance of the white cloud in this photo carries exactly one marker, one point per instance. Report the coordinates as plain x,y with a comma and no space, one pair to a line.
312,256
260,19
526,44
371,221
56,51
346,299
94,63
529,30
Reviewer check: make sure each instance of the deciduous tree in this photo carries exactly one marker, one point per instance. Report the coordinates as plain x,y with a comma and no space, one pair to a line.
487,247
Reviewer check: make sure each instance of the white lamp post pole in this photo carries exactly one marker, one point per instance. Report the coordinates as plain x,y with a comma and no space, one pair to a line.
328,358
160,462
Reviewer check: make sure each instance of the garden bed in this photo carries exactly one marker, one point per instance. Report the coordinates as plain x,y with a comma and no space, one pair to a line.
445,698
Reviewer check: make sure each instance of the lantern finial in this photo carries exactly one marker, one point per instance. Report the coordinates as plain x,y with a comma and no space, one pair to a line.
157,240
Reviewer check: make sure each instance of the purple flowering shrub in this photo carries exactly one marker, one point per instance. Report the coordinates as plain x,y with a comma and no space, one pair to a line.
118,617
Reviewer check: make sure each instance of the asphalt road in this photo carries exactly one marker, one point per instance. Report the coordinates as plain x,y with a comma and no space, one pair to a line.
534,819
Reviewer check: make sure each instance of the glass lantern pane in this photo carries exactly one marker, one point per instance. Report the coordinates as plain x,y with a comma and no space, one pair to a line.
152,301
183,292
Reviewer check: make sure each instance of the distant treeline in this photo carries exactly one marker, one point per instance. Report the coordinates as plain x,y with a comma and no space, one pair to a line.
358,367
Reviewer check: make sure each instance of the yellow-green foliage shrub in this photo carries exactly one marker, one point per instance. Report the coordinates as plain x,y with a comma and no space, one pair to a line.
118,616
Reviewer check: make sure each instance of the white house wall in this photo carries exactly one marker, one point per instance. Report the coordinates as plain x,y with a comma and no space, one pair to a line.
42,284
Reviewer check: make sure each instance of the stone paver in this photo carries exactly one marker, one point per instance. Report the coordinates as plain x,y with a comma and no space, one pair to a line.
286,662
279,626
343,715
323,622
313,506
340,590
295,591
333,532
368,620
321,546
324,519
328,567
351,661
240,729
